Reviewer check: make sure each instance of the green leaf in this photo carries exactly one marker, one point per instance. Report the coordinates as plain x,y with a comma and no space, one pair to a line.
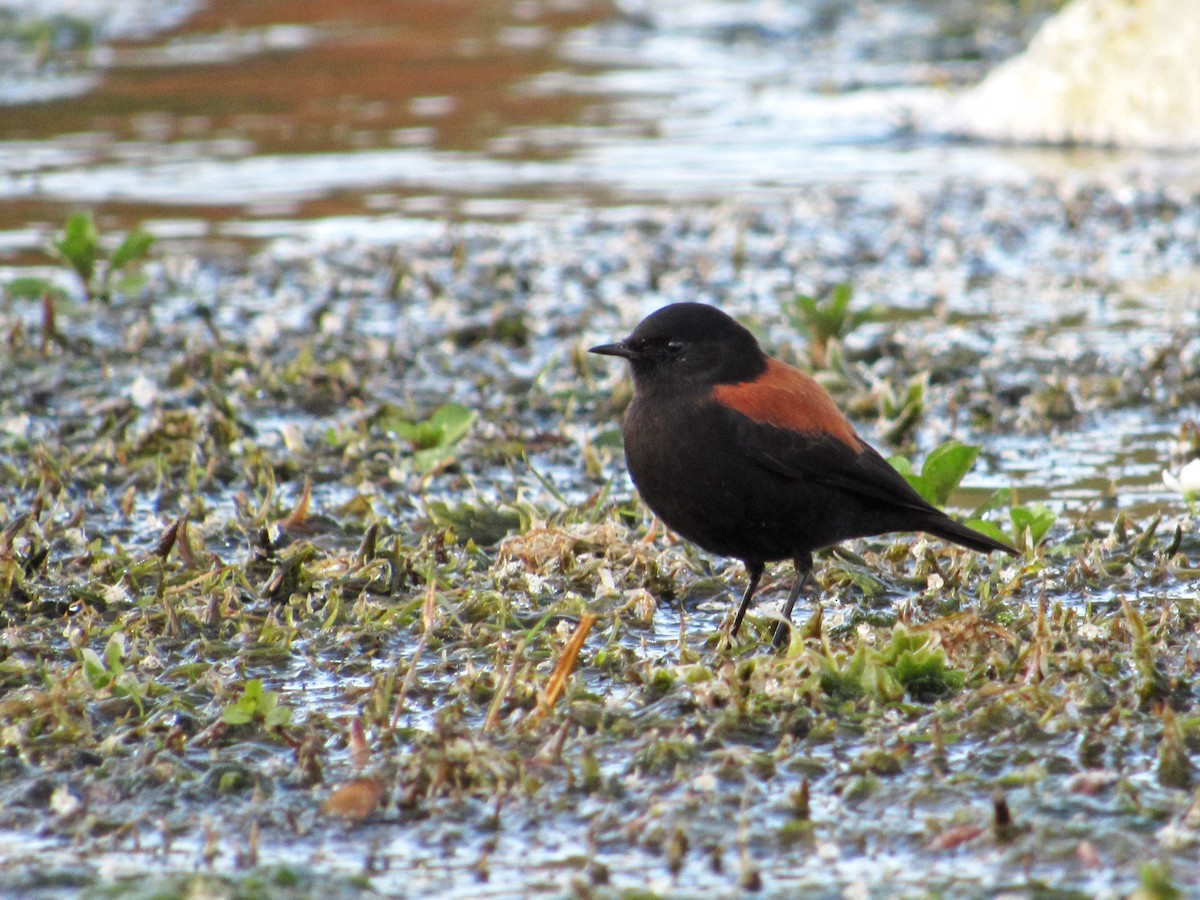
918,483
941,473
79,245
453,422
902,465
393,421
246,707
806,311
273,714
828,318
127,685
945,467
480,522
256,704
133,248
1155,883
130,283
30,287
1036,518
991,529
921,666
432,458
839,305
903,641
93,669
114,653
900,412
236,714
446,426
253,691
1000,498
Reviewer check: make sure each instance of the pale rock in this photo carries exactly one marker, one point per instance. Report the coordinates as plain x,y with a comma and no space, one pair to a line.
1114,72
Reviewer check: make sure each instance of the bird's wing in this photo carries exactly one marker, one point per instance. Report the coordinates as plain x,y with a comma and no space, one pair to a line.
824,459
787,423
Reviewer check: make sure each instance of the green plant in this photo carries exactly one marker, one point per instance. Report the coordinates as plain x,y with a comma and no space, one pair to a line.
827,319
1031,522
33,287
1155,883
940,474
912,664
109,673
432,439
256,705
485,524
900,409
80,247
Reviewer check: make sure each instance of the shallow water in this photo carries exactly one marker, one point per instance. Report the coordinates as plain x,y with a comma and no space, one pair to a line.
584,163
281,118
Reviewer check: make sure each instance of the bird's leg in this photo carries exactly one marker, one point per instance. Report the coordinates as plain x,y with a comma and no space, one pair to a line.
755,571
803,563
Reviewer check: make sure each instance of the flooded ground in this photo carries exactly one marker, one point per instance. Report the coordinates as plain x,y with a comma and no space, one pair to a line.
263,634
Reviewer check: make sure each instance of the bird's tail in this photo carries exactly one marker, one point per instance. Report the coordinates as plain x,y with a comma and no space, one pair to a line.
957,533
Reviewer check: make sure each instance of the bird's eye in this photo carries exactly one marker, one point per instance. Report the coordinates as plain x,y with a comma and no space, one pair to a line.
674,348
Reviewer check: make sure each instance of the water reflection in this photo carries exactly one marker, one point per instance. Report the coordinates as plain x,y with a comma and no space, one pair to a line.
294,109
280,113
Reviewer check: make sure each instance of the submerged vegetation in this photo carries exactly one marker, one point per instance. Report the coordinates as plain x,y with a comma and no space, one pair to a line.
300,588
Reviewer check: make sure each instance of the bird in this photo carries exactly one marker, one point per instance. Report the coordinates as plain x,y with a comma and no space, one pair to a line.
750,458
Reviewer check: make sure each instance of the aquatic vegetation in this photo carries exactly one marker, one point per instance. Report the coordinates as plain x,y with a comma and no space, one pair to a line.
256,705
109,673
1031,522
244,626
901,407
80,246
941,472
433,438
912,665
826,320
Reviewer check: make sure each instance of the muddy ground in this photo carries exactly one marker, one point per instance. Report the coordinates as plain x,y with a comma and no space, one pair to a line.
263,634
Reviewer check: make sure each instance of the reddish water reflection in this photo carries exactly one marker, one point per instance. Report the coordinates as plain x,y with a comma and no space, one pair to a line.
360,78
276,78
252,120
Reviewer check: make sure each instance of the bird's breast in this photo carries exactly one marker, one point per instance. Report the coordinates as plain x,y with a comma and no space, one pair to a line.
683,458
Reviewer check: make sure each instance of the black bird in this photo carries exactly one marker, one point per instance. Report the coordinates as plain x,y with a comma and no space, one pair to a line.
748,457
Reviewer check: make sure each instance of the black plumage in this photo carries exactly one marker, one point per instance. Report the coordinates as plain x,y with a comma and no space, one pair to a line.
748,457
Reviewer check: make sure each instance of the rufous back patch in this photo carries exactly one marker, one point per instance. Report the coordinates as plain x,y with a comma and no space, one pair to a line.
787,398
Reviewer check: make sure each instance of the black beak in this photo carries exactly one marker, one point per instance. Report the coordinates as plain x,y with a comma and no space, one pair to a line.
618,349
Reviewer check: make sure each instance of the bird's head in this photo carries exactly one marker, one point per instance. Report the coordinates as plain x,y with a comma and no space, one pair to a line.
688,345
